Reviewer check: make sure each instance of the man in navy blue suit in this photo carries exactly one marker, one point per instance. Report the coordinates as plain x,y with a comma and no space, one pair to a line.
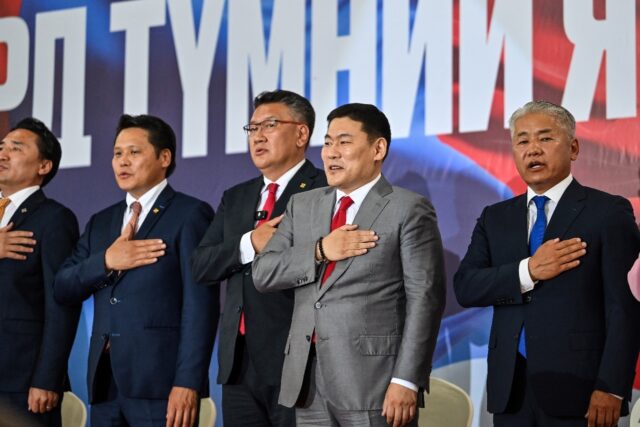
553,263
153,326
36,234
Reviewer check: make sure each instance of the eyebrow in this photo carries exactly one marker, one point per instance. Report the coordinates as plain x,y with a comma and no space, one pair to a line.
340,135
542,131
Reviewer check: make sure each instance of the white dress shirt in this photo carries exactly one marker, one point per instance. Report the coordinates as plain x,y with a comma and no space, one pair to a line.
147,200
554,194
17,199
247,253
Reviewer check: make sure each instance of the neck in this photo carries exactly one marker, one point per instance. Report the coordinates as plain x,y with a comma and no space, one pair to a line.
275,173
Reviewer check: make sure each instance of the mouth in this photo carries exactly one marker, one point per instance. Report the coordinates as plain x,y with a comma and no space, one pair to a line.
535,165
259,151
333,168
124,175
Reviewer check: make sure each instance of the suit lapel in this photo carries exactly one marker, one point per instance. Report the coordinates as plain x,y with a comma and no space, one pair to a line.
27,208
301,181
116,220
159,207
516,219
372,206
569,207
249,204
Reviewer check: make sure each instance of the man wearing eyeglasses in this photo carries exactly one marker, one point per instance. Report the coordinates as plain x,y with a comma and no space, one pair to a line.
254,326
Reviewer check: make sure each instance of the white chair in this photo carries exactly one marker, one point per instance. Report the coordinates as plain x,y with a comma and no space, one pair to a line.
74,413
446,405
207,412
634,417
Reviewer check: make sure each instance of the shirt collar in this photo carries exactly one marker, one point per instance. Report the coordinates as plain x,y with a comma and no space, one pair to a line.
19,197
358,194
148,198
554,193
283,181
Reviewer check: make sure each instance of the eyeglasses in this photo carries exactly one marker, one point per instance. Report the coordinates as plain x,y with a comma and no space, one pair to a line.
267,126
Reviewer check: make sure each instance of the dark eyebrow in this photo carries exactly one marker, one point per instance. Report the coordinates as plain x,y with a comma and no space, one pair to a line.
340,135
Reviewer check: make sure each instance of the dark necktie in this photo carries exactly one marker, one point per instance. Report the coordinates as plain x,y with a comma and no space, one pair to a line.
535,240
339,219
268,207
4,202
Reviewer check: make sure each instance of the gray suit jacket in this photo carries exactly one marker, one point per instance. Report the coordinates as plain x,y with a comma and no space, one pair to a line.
377,316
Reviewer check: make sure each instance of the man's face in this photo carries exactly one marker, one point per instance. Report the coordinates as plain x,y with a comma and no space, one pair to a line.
275,150
350,159
20,163
136,166
543,151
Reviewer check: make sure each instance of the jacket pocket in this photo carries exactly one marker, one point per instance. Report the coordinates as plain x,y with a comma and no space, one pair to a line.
379,345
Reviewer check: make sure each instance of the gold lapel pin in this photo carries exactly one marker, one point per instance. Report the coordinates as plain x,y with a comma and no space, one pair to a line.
156,210
303,184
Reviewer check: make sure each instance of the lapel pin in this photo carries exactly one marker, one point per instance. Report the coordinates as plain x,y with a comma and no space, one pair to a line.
303,184
23,210
156,210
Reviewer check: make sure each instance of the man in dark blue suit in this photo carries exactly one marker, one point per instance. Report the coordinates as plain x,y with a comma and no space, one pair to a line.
255,326
36,234
153,326
553,263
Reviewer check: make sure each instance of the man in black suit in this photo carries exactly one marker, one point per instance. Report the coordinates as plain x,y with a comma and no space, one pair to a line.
153,326
254,326
36,234
553,263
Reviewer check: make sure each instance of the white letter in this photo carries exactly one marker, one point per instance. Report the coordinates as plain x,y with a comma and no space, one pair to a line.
402,60
195,61
615,35
511,24
135,18
331,53
15,33
247,60
71,26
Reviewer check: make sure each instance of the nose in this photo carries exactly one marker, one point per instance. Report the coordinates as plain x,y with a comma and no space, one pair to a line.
330,151
4,153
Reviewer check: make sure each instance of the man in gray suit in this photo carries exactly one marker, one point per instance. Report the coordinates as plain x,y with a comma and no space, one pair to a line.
365,260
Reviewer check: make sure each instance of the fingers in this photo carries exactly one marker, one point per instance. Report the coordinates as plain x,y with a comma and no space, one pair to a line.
275,221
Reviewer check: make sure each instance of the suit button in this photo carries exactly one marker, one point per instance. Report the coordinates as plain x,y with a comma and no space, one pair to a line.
317,305
113,300
248,272
308,337
238,309
527,298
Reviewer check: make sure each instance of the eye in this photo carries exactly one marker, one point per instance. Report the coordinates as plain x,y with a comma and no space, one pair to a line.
522,142
344,141
269,124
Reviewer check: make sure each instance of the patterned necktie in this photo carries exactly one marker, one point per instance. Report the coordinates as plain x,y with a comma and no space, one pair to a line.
269,203
339,219
136,208
535,240
268,206
4,202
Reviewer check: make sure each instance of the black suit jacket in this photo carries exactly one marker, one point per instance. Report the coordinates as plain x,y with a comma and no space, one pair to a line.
582,326
217,258
36,333
160,323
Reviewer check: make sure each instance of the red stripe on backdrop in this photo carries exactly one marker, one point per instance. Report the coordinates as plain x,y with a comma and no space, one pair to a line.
636,383
7,8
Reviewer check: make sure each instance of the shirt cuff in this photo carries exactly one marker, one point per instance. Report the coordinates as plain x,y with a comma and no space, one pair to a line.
404,383
526,282
247,253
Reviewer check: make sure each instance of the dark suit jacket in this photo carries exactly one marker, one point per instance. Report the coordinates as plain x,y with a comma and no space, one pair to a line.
267,317
582,326
36,333
161,324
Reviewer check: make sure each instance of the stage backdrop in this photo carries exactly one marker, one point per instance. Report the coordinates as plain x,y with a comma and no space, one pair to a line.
446,72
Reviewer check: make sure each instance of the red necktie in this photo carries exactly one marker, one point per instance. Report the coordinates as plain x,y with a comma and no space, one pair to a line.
136,209
268,206
339,219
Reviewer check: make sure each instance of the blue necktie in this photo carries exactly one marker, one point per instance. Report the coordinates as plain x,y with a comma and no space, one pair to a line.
535,240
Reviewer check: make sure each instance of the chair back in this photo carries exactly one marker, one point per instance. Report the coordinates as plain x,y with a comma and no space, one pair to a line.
634,417
74,413
446,405
207,412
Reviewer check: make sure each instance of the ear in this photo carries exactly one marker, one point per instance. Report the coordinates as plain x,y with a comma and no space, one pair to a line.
303,136
165,157
575,149
380,145
45,167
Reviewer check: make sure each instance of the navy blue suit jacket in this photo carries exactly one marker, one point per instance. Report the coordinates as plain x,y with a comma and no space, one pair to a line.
160,323
36,333
582,327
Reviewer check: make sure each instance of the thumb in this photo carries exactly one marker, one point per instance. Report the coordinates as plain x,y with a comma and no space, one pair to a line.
6,228
349,227
275,221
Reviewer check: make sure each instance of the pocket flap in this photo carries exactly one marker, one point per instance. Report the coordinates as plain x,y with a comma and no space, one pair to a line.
379,345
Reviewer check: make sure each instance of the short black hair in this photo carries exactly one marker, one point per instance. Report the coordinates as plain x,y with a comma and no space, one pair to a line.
161,136
374,123
298,104
48,145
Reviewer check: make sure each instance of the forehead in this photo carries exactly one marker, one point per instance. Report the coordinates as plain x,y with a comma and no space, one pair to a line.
275,110
21,136
535,122
132,136
344,126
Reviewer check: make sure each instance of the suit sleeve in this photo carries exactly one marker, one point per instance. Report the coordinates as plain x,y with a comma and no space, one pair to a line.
83,273
424,285
620,245
479,283
286,262
200,308
60,321
217,257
